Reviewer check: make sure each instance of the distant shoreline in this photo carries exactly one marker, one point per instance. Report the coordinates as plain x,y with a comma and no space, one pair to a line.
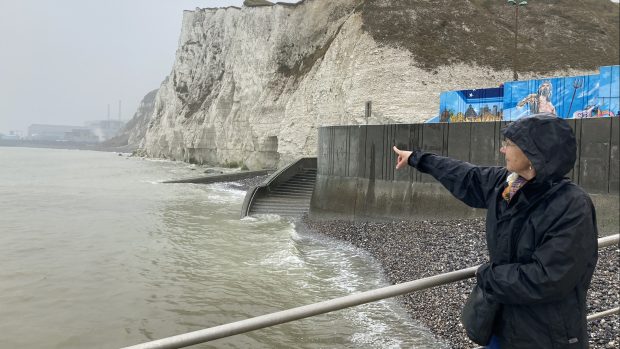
64,145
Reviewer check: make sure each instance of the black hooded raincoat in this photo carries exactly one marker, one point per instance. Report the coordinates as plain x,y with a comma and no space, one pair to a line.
542,244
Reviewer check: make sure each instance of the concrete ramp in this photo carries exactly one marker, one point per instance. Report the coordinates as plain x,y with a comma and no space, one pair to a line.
223,177
286,193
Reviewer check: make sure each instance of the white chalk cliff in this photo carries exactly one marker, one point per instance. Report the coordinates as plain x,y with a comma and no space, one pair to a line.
252,85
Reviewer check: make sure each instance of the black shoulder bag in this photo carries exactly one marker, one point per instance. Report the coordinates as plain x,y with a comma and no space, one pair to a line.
478,316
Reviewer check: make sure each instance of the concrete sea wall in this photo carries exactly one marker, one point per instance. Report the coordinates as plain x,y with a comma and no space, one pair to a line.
357,179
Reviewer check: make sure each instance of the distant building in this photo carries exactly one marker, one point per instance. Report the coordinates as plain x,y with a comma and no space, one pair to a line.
94,131
470,113
12,136
81,136
42,132
105,129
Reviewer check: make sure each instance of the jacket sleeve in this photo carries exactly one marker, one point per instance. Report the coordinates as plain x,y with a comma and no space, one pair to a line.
473,185
567,251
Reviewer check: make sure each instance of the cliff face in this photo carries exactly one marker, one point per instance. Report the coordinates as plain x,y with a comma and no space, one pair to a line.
133,133
252,85
137,126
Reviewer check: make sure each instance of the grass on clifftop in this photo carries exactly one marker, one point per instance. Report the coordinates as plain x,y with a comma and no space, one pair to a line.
553,34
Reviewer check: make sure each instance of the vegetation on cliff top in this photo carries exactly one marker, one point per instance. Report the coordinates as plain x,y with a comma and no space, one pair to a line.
553,34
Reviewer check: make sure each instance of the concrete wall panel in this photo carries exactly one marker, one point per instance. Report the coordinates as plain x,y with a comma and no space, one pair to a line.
459,138
340,153
334,195
373,154
594,155
416,143
575,125
614,158
485,143
362,157
323,150
432,141
389,163
355,150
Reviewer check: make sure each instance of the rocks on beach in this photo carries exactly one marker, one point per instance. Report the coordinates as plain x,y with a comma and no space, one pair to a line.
413,250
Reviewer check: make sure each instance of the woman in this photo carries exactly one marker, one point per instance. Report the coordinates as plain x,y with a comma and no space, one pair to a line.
540,229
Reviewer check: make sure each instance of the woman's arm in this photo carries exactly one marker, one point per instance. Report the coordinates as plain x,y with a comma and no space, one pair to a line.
474,185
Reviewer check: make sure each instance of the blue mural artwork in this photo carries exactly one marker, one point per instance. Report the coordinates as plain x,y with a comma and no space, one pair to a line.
567,97
471,105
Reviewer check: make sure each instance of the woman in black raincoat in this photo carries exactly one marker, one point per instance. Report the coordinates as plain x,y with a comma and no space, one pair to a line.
540,229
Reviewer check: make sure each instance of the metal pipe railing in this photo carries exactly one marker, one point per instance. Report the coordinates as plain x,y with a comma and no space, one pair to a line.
596,316
280,317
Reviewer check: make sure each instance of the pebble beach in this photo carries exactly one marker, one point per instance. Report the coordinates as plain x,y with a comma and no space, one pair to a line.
412,250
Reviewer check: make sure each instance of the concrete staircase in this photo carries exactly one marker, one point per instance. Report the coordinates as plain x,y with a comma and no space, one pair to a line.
290,199
286,193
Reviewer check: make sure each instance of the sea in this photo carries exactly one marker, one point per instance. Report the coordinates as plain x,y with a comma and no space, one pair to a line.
97,252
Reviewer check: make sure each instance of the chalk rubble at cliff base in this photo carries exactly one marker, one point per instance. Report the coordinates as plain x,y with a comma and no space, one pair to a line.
413,250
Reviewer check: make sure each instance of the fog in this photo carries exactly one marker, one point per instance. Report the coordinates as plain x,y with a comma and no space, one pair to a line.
63,62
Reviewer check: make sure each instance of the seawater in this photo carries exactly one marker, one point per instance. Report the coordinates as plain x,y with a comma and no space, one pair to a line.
96,252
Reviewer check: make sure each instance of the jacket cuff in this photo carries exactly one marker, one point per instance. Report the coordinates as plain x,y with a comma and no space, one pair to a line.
480,274
414,158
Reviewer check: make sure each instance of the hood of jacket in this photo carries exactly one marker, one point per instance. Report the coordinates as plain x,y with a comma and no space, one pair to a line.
547,141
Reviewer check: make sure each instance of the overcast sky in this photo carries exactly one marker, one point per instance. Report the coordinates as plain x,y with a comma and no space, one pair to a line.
63,61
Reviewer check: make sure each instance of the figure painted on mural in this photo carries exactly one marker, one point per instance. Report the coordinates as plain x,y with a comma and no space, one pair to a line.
588,112
541,236
539,102
445,116
592,111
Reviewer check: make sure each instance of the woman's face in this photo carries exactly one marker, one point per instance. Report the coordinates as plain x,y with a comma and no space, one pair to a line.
516,161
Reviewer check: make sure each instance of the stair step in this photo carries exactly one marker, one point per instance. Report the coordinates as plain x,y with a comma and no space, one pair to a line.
267,209
305,177
300,181
282,212
282,207
293,189
283,195
297,185
288,198
290,194
306,174
281,204
293,185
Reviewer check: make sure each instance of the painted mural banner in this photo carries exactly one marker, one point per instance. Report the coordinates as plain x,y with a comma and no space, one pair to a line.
584,96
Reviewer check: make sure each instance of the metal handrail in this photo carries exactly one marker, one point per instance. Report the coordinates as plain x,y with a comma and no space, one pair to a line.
280,317
596,316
